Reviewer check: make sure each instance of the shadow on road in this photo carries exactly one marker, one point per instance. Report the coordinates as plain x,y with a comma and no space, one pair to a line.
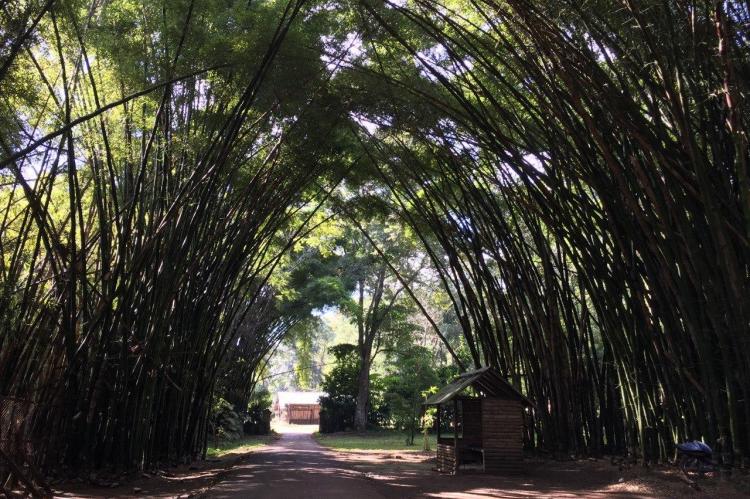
297,466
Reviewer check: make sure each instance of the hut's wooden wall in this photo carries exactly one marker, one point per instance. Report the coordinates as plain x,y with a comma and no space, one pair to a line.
446,458
502,434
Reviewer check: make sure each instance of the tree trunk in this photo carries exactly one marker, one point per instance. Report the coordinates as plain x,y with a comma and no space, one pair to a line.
363,394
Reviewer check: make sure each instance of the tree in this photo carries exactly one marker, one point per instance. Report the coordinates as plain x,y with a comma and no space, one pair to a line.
410,372
340,383
379,302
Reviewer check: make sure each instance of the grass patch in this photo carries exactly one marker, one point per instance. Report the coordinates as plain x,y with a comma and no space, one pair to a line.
240,446
372,440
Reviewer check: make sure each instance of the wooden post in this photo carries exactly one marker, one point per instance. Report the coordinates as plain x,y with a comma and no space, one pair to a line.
438,424
455,435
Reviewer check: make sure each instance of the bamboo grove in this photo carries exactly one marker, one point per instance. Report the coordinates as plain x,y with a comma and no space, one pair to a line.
585,196
576,172
120,307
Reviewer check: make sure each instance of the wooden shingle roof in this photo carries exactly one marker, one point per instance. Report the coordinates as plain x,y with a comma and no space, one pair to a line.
486,380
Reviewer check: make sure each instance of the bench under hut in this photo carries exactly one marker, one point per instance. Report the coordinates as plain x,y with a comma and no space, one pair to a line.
486,425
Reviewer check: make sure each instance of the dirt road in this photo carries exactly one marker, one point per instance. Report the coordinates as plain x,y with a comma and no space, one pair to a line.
295,466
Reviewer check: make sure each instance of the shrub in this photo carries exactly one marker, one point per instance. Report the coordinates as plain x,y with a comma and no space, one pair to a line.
258,418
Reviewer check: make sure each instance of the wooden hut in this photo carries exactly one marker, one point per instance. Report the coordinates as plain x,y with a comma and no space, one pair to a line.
486,426
297,407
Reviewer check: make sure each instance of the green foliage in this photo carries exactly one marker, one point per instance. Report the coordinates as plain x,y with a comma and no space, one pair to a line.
315,281
428,420
340,383
566,190
258,419
225,422
260,399
411,373
308,341
239,446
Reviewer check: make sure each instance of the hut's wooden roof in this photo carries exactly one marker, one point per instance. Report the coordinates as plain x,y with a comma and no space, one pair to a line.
485,380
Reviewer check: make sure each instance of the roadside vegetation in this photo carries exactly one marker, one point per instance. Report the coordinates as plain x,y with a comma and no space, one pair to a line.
371,440
240,446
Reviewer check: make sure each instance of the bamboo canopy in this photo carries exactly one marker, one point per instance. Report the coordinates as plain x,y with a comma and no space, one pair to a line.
578,177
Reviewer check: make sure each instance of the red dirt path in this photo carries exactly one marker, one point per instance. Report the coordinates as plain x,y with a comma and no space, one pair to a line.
297,467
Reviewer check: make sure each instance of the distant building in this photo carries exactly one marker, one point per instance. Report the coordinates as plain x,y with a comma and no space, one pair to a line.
297,407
